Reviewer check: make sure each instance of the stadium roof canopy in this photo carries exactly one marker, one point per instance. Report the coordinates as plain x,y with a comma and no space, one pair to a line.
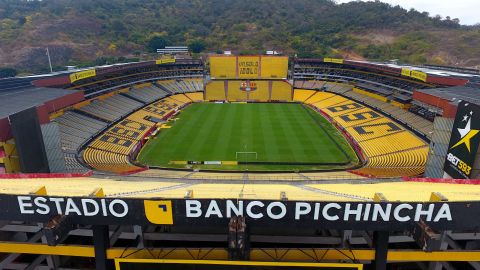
436,70
24,98
455,94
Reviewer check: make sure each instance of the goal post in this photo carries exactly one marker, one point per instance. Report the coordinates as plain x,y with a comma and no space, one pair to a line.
246,155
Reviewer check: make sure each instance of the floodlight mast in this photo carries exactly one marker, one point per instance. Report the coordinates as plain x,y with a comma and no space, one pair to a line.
49,61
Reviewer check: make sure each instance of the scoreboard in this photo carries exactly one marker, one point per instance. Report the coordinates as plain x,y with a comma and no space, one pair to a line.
248,67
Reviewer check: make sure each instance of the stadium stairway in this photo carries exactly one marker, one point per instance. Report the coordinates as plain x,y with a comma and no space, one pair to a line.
76,129
139,186
146,94
112,108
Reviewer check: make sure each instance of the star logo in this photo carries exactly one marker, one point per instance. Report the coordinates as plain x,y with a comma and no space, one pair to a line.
466,133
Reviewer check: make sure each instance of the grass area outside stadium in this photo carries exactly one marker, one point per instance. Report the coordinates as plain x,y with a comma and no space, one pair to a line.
259,136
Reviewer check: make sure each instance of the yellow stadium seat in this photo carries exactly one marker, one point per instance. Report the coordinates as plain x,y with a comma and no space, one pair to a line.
110,150
390,149
181,98
318,97
301,95
195,97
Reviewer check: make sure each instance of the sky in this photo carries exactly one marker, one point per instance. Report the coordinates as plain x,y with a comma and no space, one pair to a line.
465,10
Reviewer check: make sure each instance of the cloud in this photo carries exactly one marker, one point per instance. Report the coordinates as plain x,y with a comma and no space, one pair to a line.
465,10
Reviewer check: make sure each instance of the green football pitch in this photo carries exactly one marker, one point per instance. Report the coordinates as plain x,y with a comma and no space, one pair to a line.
260,136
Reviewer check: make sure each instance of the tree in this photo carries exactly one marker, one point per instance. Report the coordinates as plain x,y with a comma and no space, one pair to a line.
197,46
7,72
119,28
22,20
157,42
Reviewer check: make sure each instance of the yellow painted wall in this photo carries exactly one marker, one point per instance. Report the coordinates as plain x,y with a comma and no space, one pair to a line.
281,91
223,67
274,67
248,67
215,91
262,93
234,92
400,105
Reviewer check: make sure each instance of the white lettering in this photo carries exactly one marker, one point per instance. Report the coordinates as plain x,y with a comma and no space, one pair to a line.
213,209
193,208
104,207
71,207
366,213
23,204
124,205
283,210
419,212
231,207
381,212
385,214
251,205
40,202
327,207
57,202
302,208
400,207
317,211
444,212
357,212
88,213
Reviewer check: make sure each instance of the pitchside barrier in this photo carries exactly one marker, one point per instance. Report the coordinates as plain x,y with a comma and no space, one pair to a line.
207,162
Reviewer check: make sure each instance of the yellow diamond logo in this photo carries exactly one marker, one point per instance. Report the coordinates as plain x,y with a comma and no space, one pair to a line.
159,212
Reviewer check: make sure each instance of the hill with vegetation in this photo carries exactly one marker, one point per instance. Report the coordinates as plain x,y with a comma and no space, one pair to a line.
88,32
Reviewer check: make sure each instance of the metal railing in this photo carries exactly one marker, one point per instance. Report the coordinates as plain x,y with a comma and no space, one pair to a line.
244,177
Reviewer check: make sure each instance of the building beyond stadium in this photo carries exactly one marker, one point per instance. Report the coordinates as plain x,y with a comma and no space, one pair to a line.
75,196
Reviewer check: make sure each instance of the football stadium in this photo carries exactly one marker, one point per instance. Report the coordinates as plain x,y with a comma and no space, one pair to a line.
241,162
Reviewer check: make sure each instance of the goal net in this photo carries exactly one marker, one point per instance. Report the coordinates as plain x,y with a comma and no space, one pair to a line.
244,156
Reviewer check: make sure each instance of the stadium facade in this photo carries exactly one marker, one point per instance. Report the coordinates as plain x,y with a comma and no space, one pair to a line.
75,195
